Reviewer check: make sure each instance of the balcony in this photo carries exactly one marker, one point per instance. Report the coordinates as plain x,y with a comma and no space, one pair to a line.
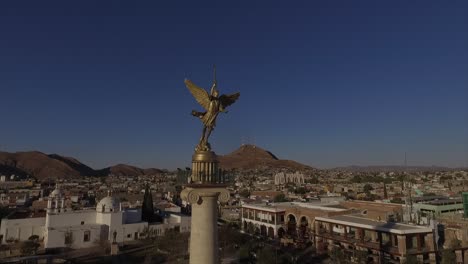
366,243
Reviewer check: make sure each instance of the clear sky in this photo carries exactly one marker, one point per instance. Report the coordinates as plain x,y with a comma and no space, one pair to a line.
326,83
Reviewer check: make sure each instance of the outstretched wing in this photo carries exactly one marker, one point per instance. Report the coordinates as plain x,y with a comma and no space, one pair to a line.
227,100
199,93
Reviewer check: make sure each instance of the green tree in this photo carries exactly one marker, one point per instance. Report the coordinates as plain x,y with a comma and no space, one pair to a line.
368,188
147,210
244,254
265,256
300,190
337,255
174,244
448,256
411,259
29,247
313,180
34,238
455,243
360,256
244,193
280,198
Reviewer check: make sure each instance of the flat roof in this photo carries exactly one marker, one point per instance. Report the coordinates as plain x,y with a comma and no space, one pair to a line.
265,207
321,206
445,201
366,223
281,207
428,198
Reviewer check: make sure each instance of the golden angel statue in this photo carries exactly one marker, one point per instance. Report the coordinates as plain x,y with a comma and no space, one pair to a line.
213,105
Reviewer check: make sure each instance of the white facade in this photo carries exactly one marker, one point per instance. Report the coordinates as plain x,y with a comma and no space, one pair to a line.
62,227
282,178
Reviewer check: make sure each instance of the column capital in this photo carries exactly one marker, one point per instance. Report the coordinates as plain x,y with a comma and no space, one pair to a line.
196,194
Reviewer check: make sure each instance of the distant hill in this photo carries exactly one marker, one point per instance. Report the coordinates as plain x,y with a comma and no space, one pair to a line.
253,157
395,168
43,166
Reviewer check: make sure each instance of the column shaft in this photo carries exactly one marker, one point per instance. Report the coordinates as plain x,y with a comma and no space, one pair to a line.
204,233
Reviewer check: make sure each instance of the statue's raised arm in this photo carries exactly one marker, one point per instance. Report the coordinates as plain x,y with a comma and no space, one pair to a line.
212,104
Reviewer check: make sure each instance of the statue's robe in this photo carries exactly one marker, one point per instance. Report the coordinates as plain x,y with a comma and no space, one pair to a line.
209,118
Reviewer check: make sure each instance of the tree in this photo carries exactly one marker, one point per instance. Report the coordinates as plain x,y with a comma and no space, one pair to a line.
360,256
265,256
29,247
34,238
313,180
244,254
174,244
280,198
337,255
147,210
411,259
244,193
448,256
455,243
368,188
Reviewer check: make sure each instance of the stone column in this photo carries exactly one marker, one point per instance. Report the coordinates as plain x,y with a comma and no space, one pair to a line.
432,258
317,228
430,242
204,230
359,234
402,245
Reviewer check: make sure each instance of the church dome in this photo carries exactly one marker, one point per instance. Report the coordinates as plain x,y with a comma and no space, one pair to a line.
108,204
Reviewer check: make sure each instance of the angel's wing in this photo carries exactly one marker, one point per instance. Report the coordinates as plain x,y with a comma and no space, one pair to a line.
227,100
199,93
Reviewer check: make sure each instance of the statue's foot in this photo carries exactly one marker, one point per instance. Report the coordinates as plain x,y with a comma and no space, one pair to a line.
203,147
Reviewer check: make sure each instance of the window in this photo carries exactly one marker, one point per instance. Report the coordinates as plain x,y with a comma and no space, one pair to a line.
82,222
87,236
129,235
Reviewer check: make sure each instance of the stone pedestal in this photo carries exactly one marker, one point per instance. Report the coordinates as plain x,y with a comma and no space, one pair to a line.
205,168
114,249
204,230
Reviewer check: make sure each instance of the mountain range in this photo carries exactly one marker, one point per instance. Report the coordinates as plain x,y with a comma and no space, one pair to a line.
246,157
51,166
43,166
249,157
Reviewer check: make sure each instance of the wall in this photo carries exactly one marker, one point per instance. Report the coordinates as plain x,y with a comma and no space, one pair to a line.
132,216
56,236
72,218
22,229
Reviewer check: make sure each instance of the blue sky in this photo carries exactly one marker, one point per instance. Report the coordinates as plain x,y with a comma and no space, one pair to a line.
326,83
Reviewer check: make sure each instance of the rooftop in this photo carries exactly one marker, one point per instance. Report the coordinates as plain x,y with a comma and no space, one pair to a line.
366,223
280,207
445,201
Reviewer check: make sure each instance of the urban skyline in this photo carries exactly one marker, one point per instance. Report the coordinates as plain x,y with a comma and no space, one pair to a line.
342,85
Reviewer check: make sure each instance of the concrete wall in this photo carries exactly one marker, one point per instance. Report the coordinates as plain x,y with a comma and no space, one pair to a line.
56,237
22,229
72,218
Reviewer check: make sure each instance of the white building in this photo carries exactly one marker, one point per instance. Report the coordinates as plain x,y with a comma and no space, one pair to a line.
282,178
62,227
